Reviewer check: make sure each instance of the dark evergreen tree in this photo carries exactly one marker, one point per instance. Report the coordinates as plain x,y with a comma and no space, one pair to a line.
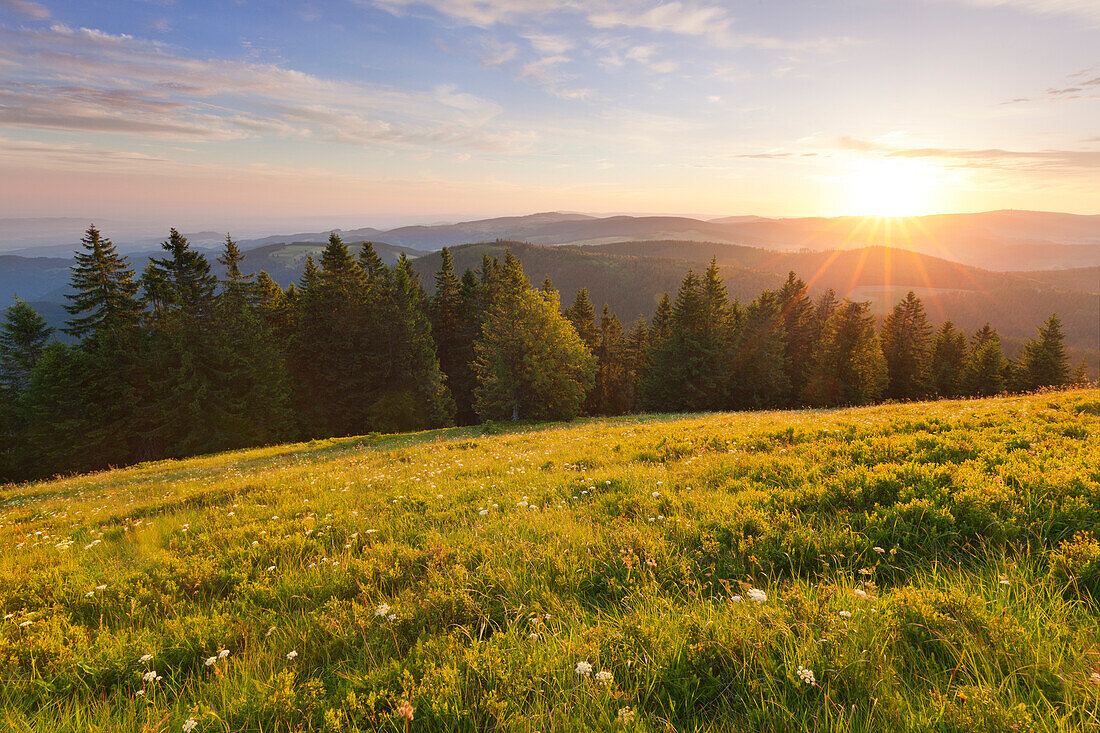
849,367
799,334
23,336
1044,362
583,317
907,346
104,292
547,286
661,324
274,306
984,368
184,276
637,349
759,376
613,390
948,361
687,370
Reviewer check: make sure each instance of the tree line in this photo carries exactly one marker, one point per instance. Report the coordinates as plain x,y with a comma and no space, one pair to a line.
175,362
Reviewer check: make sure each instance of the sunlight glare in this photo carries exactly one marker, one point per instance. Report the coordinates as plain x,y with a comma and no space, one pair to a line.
892,187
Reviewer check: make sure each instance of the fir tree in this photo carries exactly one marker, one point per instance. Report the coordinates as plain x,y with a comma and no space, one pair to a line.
907,345
637,348
948,361
236,287
23,336
274,306
185,277
849,367
1044,362
661,324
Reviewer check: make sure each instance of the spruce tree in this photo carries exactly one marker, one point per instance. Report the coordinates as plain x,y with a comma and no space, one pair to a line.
907,346
104,298
583,317
274,306
185,276
23,336
661,324
984,368
1044,362
799,334
759,376
688,369
948,361
637,349
849,367
612,391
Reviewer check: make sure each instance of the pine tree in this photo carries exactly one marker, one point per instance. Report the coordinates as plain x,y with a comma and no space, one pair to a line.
637,349
104,298
23,336
1044,362
547,286
948,361
799,334
236,287
907,346
849,367
274,306
531,364
984,368
1080,376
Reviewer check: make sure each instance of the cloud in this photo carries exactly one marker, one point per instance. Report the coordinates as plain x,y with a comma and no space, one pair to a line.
36,11
122,85
1066,160
1086,9
549,44
482,13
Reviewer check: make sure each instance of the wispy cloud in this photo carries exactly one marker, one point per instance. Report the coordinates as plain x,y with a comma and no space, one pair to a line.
119,84
1087,9
1066,160
37,11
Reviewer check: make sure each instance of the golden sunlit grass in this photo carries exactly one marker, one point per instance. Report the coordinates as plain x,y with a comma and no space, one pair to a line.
921,567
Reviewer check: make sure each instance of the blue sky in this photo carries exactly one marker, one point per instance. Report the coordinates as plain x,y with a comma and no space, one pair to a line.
392,110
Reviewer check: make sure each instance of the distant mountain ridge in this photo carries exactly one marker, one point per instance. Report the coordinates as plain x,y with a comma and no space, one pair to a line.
998,240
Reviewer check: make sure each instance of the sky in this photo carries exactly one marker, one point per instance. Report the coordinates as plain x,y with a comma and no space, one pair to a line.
388,112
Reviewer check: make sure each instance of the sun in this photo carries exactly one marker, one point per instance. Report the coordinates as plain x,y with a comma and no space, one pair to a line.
888,186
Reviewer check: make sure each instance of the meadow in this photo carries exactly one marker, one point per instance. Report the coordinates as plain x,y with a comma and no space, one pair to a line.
919,567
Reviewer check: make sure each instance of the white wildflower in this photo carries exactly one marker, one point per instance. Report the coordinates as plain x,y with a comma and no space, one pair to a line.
860,593
223,654
757,595
605,677
583,668
291,655
382,610
845,614
189,725
807,676
210,661
145,659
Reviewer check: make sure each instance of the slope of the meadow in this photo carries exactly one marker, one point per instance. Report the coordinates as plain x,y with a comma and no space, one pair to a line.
911,567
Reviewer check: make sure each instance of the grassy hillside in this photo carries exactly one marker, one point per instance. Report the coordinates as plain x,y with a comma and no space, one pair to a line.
916,567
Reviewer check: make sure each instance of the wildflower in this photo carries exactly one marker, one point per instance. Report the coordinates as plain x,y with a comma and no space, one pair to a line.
655,494
382,610
860,593
101,587
1006,582
533,636
736,599
89,594
583,668
291,655
757,595
1094,678
605,677
879,550
391,617
271,568
845,614
145,659
210,661
406,710
139,693
807,676
626,716
483,512
223,654
189,725
149,677
269,632
25,624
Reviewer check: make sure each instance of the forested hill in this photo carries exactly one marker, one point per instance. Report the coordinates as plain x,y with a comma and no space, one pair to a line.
630,277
